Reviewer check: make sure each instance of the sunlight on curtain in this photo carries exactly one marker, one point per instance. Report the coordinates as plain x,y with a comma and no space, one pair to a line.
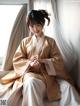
45,4
67,27
69,15
8,15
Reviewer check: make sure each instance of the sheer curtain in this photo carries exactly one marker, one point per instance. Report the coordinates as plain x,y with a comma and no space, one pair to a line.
67,28
19,31
67,48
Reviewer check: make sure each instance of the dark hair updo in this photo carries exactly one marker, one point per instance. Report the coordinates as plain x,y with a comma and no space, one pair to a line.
37,17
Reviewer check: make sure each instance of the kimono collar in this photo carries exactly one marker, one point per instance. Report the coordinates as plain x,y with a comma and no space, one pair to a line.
37,43
39,37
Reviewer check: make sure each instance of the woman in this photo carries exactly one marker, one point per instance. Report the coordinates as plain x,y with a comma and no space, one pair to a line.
39,69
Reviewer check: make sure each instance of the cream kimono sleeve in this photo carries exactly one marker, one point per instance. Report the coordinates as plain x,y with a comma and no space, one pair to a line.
20,61
55,64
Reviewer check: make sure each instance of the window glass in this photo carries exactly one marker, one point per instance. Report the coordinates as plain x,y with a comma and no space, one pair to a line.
8,15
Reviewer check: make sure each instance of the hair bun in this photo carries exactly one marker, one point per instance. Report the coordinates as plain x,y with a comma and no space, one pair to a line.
45,14
38,16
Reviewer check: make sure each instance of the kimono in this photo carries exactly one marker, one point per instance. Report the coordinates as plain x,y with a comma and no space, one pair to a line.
52,67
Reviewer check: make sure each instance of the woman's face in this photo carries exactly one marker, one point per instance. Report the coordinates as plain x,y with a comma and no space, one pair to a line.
36,29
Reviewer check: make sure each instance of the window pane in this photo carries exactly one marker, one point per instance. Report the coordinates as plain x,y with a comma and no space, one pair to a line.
8,15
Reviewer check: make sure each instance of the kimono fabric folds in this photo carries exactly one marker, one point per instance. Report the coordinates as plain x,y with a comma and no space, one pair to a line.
52,65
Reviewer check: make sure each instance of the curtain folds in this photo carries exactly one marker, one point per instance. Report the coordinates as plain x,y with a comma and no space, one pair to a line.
68,51
19,31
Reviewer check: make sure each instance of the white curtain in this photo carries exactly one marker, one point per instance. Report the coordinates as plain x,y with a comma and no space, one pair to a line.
67,28
19,31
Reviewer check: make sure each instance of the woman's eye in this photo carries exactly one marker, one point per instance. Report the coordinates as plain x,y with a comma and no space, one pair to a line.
32,26
38,25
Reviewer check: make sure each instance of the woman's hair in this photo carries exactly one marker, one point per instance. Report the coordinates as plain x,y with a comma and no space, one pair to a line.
37,17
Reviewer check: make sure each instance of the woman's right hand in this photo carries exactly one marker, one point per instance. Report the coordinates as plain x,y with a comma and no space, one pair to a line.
36,57
34,63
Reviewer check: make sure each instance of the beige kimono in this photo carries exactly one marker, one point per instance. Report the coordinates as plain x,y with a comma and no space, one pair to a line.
52,66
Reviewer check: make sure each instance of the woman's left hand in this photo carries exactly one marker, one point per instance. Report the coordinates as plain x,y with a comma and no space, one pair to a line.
35,64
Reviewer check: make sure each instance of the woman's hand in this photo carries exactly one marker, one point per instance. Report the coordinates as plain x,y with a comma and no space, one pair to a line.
35,63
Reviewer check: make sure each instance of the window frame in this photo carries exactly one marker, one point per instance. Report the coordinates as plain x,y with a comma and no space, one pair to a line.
13,2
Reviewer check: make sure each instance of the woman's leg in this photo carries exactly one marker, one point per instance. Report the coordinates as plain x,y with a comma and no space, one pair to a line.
33,92
69,96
